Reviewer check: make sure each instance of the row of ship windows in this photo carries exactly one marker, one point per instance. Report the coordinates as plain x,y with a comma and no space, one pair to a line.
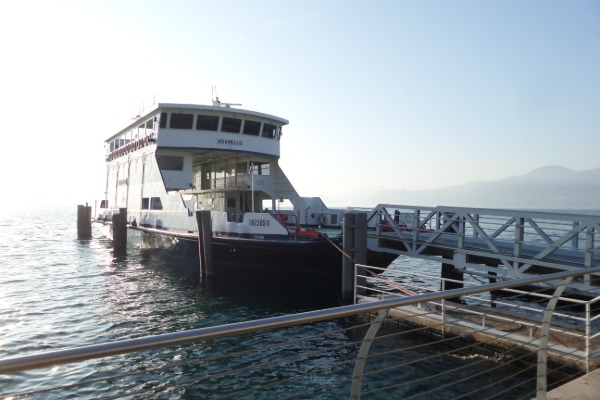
202,122
211,123
148,203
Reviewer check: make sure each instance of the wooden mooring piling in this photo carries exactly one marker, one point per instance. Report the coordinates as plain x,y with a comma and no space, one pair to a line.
119,227
355,251
84,221
204,221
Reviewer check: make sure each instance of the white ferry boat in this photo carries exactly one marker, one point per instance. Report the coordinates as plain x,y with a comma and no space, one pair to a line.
179,158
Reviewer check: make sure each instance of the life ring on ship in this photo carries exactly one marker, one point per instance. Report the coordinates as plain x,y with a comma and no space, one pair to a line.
321,219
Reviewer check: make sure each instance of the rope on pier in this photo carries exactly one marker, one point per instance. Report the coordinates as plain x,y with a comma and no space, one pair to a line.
393,284
339,249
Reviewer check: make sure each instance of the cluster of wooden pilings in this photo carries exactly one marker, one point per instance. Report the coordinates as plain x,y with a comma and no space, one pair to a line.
119,232
119,226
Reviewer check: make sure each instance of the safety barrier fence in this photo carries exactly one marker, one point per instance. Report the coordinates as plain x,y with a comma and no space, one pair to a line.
422,345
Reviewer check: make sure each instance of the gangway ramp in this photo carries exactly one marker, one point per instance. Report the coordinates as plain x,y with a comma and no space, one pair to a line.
504,244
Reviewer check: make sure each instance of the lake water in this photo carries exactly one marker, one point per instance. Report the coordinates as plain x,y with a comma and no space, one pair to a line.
59,292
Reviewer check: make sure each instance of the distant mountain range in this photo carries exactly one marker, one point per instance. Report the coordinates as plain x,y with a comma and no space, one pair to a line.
551,187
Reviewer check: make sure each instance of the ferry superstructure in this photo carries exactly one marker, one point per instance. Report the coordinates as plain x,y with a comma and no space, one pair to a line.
179,158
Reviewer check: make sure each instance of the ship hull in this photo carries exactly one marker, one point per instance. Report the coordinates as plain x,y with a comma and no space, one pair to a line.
320,258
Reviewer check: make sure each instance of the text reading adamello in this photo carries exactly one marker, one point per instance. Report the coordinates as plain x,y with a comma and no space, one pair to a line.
258,222
230,142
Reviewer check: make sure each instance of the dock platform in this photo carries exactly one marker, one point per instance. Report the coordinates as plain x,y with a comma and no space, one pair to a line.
586,387
499,330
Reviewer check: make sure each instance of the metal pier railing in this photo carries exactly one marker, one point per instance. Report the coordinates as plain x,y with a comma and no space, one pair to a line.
336,353
510,243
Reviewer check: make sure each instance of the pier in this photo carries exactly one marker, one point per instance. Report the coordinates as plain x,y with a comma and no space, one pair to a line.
497,244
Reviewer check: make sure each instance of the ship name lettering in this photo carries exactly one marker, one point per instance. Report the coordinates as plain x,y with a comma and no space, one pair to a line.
230,142
258,222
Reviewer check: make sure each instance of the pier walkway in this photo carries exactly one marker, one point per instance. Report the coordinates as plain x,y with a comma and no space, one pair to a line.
499,243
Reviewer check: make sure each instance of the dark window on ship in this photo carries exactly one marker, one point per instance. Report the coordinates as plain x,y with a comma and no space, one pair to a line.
269,131
155,203
252,128
145,203
170,163
232,125
230,203
207,123
163,120
104,204
181,121
264,169
149,124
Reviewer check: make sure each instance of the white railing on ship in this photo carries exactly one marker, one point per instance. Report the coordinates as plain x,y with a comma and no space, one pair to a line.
348,369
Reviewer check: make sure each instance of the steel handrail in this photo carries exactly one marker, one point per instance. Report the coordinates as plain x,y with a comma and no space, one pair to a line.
46,359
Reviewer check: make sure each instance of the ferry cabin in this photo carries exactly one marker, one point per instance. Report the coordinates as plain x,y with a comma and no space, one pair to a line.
179,158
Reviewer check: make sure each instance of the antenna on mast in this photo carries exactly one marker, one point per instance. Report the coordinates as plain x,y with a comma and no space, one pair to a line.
217,103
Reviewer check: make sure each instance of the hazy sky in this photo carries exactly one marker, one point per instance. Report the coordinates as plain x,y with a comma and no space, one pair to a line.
394,94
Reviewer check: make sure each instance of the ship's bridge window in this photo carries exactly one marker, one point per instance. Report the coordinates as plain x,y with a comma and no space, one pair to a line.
207,123
271,131
170,163
181,121
251,128
145,203
163,120
232,125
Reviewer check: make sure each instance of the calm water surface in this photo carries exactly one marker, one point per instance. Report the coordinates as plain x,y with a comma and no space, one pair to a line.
59,292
